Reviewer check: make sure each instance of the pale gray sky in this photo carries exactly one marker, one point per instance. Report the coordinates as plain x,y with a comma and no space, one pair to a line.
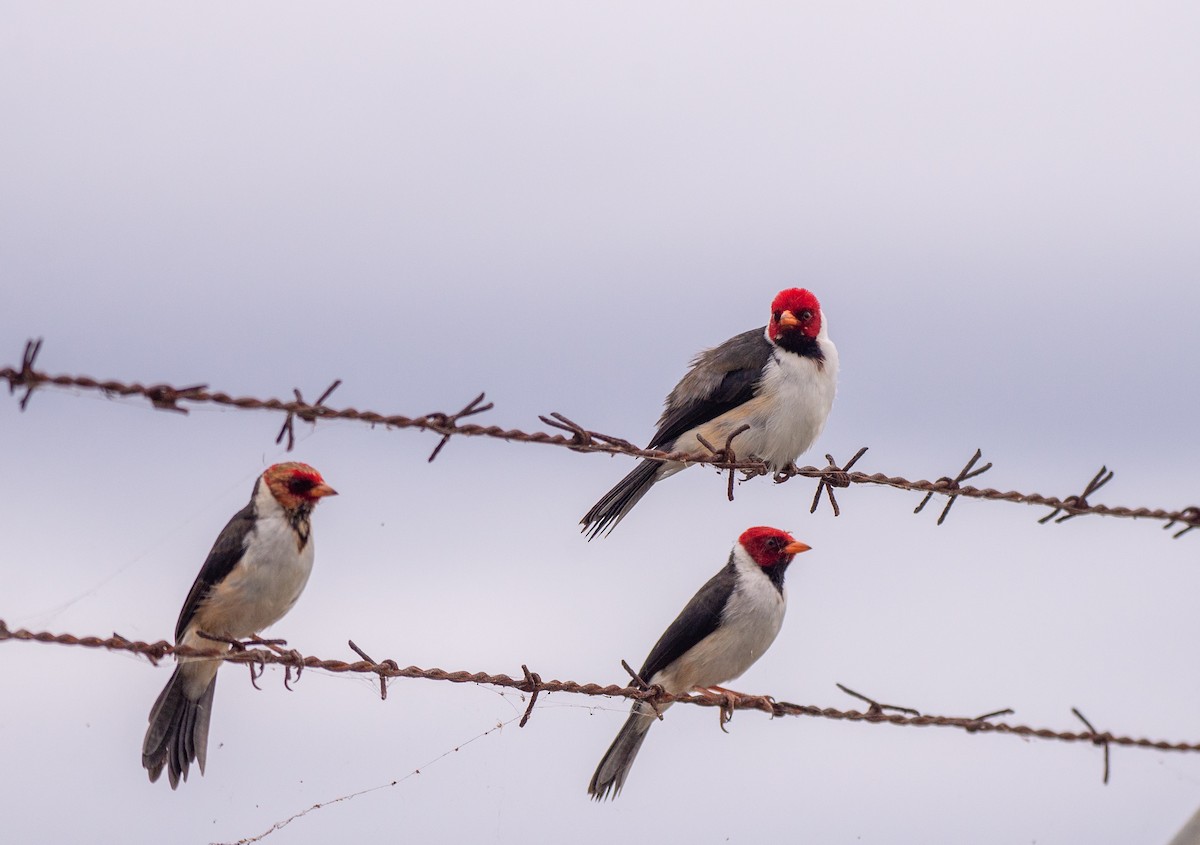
560,205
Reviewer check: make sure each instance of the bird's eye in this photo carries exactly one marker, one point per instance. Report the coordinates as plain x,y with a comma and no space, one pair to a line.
775,543
777,316
805,315
300,485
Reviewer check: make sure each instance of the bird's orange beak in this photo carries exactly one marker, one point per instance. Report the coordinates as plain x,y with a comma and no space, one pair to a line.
320,490
788,320
795,547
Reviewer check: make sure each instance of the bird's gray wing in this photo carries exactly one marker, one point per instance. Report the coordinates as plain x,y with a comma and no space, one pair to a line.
719,380
695,622
224,556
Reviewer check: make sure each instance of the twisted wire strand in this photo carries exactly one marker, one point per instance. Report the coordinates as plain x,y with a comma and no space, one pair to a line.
533,683
580,439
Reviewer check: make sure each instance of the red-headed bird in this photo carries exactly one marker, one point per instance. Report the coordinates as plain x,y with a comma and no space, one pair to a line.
255,572
779,380
726,626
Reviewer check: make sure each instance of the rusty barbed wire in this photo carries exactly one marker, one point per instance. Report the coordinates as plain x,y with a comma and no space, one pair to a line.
532,683
581,439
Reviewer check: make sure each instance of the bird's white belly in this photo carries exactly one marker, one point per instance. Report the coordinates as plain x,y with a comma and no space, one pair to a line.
785,418
749,625
263,586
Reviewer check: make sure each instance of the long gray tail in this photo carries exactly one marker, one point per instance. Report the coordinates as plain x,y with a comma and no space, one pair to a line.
178,732
613,505
614,768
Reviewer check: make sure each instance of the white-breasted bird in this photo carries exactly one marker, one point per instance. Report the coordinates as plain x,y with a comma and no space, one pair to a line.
779,380
726,626
255,572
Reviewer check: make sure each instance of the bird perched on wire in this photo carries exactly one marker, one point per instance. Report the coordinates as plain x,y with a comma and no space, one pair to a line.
778,380
255,572
726,626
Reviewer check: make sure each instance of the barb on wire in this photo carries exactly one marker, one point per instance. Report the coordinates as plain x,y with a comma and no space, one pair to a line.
1007,711
950,485
534,683
1191,516
166,398
582,439
26,377
725,455
875,709
643,685
1097,738
307,413
383,679
636,676
574,436
1076,505
531,682
448,423
830,477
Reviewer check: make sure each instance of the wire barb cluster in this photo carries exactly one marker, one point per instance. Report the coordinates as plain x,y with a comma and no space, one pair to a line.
580,439
271,652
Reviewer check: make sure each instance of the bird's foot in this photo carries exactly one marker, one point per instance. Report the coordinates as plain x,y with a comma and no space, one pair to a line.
241,647
716,690
292,659
729,700
727,708
766,703
287,668
785,472
255,675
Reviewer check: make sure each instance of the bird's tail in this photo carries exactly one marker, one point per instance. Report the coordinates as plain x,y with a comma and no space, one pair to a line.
614,768
178,732
613,505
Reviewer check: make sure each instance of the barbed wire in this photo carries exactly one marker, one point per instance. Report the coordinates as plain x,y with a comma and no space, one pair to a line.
257,653
580,439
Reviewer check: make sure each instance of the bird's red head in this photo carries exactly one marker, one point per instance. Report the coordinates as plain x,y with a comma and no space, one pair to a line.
294,484
770,546
795,310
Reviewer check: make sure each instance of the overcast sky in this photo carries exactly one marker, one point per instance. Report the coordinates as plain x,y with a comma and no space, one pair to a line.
560,204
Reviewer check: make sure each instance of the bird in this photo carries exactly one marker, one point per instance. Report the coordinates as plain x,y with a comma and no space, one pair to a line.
779,380
721,632
254,574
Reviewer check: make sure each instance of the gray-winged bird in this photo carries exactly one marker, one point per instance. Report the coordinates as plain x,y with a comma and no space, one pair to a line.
255,572
726,626
779,380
